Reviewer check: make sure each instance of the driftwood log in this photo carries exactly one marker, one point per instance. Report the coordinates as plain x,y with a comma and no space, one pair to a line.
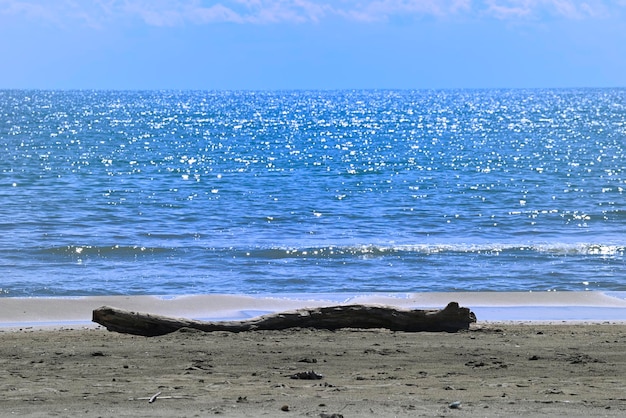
450,319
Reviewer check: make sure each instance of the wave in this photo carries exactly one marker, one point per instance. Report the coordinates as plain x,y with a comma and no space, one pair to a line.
342,252
426,249
104,251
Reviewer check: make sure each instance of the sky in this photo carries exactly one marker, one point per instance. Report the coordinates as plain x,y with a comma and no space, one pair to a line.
307,44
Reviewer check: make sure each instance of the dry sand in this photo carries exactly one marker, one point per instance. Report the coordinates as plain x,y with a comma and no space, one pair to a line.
521,367
494,369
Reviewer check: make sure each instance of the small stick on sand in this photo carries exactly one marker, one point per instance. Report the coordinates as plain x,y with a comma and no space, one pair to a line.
154,397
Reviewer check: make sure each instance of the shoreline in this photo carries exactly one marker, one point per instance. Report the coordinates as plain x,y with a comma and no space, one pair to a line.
544,307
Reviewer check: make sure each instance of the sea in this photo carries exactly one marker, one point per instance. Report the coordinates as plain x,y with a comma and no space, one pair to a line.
291,192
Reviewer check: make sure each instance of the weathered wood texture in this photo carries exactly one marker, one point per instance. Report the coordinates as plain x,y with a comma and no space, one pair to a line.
450,319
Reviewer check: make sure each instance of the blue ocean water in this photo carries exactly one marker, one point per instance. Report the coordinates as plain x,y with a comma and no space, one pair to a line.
168,192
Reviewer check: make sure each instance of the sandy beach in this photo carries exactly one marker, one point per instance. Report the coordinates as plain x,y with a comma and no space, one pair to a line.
497,368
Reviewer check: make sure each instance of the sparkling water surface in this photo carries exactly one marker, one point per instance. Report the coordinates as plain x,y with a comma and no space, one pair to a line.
168,192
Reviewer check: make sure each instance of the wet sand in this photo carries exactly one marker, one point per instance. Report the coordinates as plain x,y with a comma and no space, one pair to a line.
488,306
510,368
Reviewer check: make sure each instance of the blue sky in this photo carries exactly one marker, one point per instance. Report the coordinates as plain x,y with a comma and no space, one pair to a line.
306,44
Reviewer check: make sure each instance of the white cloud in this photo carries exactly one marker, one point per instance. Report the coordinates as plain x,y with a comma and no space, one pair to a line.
181,12
216,13
31,10
381,10
535,9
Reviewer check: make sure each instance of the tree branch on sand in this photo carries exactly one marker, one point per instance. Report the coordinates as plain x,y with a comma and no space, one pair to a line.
450,319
